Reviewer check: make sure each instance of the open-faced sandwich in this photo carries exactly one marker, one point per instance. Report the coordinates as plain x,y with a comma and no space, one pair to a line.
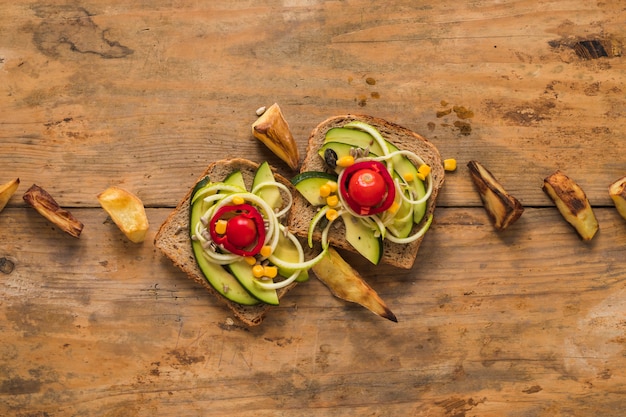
368,186
228,234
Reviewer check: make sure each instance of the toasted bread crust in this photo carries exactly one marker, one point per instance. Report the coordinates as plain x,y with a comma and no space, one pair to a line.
399,255
174,241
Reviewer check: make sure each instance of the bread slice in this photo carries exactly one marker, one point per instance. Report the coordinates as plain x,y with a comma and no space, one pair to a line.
174,241
399,255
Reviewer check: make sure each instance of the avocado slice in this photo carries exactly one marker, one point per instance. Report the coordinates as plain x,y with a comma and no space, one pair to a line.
220,279
341,150
235,178
243,272
354,137
269,194
403,221
286,251
403,166
363,239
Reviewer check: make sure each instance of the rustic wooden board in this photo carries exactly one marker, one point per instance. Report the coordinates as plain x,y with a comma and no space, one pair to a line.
529,322
98,324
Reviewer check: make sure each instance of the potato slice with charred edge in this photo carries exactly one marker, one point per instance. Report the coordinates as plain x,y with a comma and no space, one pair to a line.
503,209
42,201
346,283
7,190
127,212
272,129
617,191
572,203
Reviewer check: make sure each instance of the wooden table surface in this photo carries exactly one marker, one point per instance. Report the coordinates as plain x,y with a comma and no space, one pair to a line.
145,94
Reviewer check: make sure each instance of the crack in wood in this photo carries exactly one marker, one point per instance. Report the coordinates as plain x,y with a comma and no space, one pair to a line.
588,49
73,27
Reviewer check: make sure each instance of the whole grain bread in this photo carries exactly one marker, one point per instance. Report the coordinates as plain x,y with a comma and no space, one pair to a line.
399,255
174,241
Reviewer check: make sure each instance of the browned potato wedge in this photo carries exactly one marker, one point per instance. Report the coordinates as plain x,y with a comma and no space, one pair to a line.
346,283
6,191
272,129
42,201
127,212
617,191
503,209
572,202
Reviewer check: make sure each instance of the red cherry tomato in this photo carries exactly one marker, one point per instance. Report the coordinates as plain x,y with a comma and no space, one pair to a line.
367,188
245,229
241,231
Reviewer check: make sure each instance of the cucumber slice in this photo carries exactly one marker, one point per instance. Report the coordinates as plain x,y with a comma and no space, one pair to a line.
363,239
308,185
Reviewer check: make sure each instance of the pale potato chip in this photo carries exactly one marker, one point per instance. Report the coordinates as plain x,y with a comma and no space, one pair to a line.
127,212
7,190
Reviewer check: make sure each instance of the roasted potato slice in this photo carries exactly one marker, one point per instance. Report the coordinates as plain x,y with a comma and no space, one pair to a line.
503,209
346,283
617,191
42,201
272,129
7,190
127,212
572,203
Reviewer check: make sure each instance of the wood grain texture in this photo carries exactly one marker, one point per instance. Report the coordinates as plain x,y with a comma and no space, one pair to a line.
529,322
97,325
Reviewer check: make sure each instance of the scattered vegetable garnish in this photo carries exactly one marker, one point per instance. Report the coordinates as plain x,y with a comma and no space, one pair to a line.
382,191
367,188
239,230
449,164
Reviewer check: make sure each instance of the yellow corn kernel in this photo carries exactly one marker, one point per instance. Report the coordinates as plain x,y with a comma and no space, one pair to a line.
220,227
258,271
325,190
270,271
408,177
345,161
394,207
250,260
332,214
333,186
332,200
449,164
421,176
424,170
266,251
238,200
